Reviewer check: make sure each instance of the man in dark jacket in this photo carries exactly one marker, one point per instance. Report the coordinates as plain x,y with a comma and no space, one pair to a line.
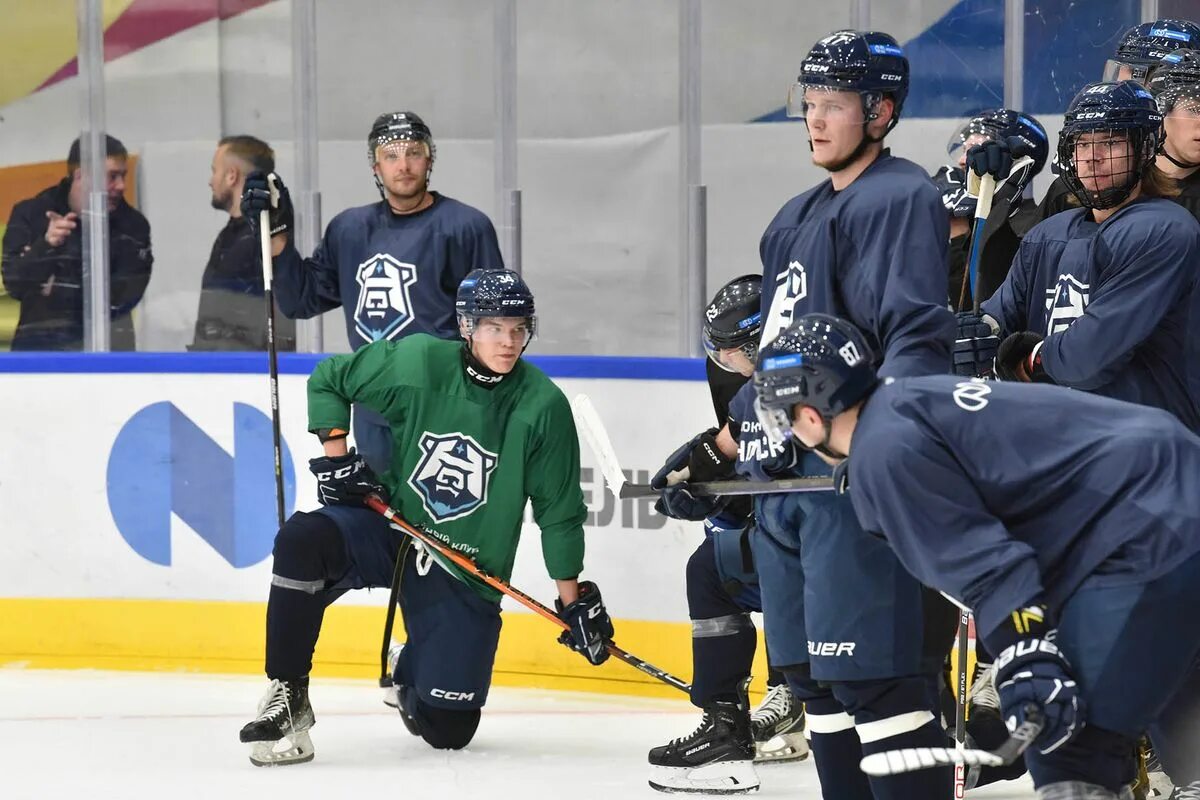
43,259
231,315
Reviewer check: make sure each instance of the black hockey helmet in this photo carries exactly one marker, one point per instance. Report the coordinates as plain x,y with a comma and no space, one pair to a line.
733,319
1177,77
399,126
821,361
1124,109
868,62
494,293
1144,45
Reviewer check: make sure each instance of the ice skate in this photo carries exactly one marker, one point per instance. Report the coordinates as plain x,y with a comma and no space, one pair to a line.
279,735
391,694
778,728
716,758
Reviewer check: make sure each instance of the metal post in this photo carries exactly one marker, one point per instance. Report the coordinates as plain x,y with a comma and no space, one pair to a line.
93,163
1014,54
692,242
306,193
860,15
508,196
1149,10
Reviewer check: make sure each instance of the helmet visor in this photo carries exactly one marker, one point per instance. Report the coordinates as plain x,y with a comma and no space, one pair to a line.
966,137
825,105
1115,70
776,422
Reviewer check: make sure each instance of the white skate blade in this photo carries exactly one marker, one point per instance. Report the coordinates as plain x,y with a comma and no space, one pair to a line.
721,777
298,749
781,749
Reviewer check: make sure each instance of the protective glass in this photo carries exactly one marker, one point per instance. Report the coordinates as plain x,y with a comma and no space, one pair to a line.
1121,71
776,422
827,105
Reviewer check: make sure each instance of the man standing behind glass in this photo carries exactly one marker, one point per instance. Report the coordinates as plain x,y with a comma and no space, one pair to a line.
43,258
232,315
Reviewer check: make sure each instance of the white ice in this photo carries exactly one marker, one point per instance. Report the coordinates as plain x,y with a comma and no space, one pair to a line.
159,736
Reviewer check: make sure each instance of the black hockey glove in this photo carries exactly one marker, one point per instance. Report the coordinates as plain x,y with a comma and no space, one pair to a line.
704,461
1031,672
345,480
256,198
591,628
976,345
1019,358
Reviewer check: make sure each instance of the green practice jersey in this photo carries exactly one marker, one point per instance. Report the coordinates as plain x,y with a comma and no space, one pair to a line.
465,459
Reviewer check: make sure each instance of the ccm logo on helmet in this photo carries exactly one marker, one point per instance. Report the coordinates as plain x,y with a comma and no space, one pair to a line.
518,301
1090,115
445,695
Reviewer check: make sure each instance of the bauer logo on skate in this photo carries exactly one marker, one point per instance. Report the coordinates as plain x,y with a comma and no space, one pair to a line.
384,303
452,475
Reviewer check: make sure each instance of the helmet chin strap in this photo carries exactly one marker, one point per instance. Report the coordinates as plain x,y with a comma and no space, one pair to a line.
1177,162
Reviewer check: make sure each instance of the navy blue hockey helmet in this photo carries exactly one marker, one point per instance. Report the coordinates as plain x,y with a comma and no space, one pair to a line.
1177,77
1129,125
820,361
868,62
1144,45
733,319
494,293
997,124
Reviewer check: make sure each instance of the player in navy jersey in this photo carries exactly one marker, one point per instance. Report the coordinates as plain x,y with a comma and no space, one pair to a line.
393,266
862,643
722,590
1068,522
1100,298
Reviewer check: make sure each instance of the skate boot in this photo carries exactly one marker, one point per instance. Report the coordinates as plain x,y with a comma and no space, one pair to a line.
778,727
279,735
983,692
717,758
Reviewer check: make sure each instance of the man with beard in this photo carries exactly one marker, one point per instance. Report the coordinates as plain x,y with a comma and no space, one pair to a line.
231,314
393,266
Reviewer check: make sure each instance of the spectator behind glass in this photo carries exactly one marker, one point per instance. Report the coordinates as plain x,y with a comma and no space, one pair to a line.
232,315
43,261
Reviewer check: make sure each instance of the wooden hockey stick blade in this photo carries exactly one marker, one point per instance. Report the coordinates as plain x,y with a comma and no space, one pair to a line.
712,488
911,759
596,436
504,587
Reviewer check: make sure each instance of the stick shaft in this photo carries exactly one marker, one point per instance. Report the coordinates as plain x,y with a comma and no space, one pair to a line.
264,232
737,487
505,588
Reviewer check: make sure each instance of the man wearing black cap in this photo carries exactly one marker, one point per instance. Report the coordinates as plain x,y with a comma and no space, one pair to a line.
43,259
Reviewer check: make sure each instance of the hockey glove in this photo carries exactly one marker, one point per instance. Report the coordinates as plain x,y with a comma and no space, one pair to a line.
976,345
1019,358
677,502
1032,671
591,628
256,198
345,480
702,459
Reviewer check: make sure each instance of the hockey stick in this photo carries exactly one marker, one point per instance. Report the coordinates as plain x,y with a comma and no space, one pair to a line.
596,436
264,233
983,207
961,691
911,759
504,587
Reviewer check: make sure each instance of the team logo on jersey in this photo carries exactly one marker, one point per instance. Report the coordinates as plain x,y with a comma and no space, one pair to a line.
1065,303
791,286
384,303
452,475
971,395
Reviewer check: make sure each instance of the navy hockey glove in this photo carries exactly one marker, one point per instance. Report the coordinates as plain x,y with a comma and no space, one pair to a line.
976,345
345,480
591,628
677,502
256,198
990,158
1019,358
1032,672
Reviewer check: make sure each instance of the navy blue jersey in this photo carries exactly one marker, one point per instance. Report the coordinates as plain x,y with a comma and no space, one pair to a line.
393,274
1113,301
758,458
996,493
873,253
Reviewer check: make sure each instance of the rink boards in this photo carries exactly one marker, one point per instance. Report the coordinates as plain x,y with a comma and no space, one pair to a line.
139,511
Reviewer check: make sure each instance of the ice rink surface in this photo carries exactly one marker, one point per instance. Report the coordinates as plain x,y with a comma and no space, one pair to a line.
167,736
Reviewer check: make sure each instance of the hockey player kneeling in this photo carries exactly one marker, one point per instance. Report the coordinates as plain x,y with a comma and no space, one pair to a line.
1069,522
478,433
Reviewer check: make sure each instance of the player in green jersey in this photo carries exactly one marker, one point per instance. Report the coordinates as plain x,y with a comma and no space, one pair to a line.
477,433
